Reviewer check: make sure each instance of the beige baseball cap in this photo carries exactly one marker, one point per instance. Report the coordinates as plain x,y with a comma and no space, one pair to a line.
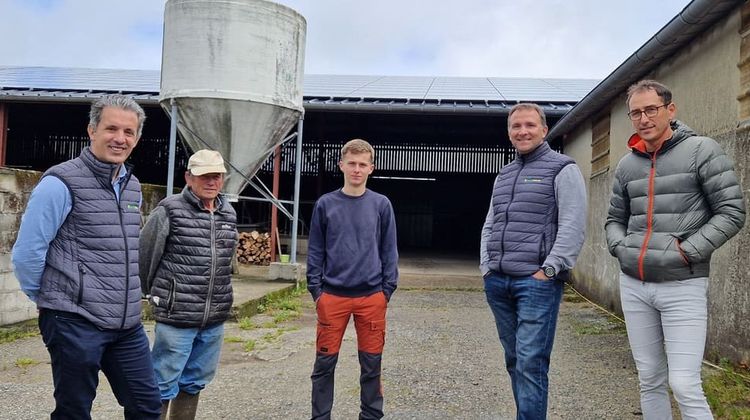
206,162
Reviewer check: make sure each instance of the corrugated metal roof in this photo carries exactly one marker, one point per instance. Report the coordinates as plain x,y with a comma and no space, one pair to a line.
330,92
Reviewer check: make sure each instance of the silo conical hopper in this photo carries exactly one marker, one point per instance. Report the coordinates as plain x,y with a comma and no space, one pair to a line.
234,69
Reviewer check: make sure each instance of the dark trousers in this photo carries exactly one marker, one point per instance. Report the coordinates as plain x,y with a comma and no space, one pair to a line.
369,320
79,350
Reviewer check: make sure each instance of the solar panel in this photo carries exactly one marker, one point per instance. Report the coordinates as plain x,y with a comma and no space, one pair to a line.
64,81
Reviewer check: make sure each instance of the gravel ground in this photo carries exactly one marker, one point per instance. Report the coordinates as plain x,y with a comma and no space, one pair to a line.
442,361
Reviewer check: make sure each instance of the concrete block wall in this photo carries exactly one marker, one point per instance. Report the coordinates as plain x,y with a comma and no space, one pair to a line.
15,188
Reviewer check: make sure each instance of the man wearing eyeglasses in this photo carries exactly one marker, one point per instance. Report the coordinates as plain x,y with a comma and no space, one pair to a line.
675,200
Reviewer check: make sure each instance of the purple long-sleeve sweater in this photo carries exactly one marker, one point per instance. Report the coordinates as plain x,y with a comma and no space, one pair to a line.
352,246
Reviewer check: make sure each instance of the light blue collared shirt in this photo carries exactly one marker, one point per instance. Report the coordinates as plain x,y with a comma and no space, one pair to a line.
48,207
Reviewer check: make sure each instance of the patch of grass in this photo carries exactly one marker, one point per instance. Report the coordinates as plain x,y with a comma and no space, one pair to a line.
246,324
233,339
286,303
272,336
19,331
285,315
289,329
571,296
285,308
728,393
25,362
610,326
249,345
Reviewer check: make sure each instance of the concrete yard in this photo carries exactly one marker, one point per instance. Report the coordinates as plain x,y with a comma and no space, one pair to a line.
442,361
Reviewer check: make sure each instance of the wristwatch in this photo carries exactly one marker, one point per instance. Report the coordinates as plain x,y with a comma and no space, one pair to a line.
549,272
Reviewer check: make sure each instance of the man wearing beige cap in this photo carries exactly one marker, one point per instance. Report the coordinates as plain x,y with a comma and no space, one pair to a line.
187,247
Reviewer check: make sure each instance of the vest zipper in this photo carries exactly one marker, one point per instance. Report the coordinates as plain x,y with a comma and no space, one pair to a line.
127,257
210,294
507,209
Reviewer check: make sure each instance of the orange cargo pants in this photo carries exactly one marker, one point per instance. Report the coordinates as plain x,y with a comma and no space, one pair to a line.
334,313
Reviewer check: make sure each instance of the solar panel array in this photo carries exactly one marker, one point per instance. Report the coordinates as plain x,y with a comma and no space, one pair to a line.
415,88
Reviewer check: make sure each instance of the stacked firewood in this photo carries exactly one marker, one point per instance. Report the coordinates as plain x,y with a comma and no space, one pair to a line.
254,248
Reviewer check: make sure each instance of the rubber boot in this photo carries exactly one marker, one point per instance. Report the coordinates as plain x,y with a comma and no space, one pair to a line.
164,409
183,407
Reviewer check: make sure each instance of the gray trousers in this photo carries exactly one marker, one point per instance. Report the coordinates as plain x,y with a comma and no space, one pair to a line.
666,325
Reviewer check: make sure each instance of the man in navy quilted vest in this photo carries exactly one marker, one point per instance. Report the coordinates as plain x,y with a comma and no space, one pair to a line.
530,241
187,247
76,256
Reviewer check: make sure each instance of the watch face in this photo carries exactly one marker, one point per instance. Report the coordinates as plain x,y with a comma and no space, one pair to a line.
549,272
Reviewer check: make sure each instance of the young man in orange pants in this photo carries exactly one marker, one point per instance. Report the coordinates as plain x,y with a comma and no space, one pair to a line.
352,269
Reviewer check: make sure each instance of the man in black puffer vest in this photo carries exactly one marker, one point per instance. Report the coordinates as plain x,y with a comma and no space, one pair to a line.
76,256
530,241
187,247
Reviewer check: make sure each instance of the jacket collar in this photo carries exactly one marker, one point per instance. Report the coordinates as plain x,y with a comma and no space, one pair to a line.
535,154
191,198
105,172
680,132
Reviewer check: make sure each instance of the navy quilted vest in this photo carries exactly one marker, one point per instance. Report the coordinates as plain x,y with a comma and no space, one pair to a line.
525,212
92,264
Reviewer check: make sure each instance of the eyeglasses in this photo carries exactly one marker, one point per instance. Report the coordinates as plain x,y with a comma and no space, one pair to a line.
650,112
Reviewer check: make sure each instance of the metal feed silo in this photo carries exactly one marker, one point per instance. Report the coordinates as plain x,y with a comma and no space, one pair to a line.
234,70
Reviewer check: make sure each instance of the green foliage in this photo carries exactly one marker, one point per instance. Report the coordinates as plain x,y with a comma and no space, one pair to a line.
285,315
25,362
233,339
571,295
728,393
17,332
284,308
246,324
609,325
272,336
249,345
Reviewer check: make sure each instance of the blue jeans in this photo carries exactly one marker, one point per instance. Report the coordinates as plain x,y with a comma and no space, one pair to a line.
79,350
185,359
525,311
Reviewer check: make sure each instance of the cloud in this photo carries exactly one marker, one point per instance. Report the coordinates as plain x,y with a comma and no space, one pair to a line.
482,38
81,33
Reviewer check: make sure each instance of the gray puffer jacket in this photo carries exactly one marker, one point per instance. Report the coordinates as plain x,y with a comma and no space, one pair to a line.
672,209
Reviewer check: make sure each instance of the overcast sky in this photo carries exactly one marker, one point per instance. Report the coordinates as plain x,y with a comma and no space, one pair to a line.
498,38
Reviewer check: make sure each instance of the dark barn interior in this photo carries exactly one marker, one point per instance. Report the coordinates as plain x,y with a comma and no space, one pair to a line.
437,169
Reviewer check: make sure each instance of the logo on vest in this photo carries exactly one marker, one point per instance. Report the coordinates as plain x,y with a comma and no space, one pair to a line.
533,179
133,206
